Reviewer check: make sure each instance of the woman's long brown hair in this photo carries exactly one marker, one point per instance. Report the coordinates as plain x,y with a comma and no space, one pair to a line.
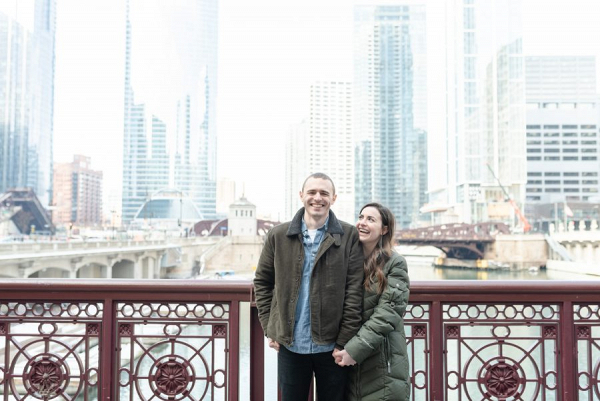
383,251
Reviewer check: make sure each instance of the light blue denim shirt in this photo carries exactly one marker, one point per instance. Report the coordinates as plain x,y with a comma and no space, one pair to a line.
303,343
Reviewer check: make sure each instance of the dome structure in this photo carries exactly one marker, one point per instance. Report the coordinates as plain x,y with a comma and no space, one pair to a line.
169,207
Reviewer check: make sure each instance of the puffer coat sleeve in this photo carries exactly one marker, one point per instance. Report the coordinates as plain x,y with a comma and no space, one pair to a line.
379,347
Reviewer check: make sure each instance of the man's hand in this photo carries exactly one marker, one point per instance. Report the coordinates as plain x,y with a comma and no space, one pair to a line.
343,358
273,344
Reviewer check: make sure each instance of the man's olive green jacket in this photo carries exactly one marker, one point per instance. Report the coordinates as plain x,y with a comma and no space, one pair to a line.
335,285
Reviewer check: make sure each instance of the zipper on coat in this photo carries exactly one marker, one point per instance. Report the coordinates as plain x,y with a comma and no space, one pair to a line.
358,393
386,351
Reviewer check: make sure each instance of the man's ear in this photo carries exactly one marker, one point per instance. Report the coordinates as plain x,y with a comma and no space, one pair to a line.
333,198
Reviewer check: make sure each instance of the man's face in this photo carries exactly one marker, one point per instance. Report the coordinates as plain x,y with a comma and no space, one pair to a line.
317,197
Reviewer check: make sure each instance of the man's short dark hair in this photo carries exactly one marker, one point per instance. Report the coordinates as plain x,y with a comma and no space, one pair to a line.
322,176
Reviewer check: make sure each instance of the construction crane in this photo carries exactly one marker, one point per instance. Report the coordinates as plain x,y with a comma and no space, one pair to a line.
507,198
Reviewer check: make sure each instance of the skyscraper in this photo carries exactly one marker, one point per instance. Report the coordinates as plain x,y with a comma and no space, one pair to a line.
77,193
27,32
390,108
563,125
323,143
484,113
170,102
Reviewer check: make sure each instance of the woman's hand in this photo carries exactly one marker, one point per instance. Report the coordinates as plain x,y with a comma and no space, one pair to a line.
343,358
273,344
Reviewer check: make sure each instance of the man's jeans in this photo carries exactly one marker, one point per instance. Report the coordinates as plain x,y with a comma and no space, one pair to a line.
295,372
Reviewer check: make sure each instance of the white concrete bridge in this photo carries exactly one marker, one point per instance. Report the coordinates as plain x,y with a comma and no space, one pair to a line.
580,252
103,259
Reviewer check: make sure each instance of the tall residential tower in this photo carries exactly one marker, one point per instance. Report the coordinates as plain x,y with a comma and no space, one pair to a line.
27,96
483,116
323,143
170,102
390,108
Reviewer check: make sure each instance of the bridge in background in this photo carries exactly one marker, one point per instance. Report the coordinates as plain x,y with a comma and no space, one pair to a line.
458,241
102,259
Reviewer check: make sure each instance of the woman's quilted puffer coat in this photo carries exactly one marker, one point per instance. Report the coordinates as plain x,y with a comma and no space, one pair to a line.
379,347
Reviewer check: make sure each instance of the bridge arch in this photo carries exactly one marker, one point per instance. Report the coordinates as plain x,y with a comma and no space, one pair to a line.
50,272
124,268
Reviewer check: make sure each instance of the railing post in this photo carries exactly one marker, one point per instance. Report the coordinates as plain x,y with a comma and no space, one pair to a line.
568,344
108,365
257,357
436,351
234,350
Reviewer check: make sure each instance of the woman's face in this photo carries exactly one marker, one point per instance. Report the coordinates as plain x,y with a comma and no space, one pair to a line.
370,227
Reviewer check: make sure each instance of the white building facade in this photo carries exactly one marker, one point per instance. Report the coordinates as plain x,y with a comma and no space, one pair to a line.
323,143
563,126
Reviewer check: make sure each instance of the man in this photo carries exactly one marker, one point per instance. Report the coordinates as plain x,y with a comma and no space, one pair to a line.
308,286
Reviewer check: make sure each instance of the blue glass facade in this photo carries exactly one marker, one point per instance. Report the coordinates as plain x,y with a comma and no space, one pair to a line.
390,147
27,98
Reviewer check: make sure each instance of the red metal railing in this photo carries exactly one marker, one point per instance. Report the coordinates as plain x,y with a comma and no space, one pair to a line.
180,340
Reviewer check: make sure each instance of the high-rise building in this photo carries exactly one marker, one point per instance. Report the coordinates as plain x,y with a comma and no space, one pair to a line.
170,102
323,143
563,126
27,34
483,115
77,193
390,108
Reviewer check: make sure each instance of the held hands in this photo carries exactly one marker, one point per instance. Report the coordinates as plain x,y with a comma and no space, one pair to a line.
343,358
273,344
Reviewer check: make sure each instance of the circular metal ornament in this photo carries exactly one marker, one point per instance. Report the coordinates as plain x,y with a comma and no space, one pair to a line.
172,376
501,379
45,378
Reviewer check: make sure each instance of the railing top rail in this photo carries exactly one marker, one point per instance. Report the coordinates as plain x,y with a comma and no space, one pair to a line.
241,289
129,289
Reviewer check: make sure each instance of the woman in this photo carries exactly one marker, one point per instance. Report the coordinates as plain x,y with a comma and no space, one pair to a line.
379,348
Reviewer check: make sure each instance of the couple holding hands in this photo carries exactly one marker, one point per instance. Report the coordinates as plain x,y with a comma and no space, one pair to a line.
331,299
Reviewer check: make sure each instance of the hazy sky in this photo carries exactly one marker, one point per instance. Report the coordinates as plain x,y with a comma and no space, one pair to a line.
269,53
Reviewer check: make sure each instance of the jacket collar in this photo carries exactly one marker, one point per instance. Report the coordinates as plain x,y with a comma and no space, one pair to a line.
333,227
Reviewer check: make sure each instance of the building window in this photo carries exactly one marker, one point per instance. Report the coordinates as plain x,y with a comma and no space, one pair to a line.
589,158
533,135
589,174
533,158
552,190
534,174
552,182
571,190
571,174
551,158
552,174
571,182
535,150
534,182
570,150
590,182
570,158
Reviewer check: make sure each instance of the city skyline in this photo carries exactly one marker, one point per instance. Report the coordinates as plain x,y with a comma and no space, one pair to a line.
245,128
